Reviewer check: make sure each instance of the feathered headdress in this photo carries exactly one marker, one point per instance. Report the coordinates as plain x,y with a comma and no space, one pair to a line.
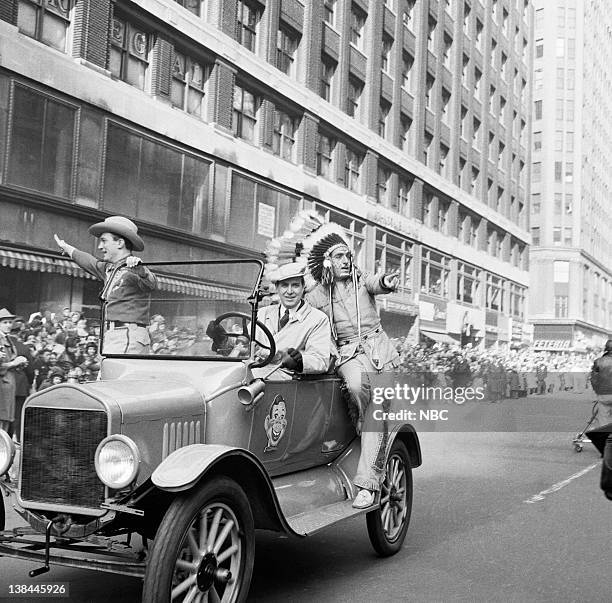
308,240
289,246
319,246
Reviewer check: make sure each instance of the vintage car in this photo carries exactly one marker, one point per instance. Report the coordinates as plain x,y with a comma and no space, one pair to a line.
165,465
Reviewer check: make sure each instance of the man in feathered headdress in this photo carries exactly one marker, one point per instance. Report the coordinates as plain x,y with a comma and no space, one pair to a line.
347,296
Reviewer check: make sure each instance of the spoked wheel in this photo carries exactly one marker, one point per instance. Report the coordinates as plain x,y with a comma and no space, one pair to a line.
387,525
204,548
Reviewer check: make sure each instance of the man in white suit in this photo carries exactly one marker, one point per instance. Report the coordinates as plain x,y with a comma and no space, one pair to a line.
302,333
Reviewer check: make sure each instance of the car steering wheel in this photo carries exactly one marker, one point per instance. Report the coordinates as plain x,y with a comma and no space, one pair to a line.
270,345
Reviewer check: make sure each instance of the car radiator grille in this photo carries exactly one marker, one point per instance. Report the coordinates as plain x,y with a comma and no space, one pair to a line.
58,456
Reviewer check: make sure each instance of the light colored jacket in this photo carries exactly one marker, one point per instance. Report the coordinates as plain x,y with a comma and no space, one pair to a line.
307,331
343,312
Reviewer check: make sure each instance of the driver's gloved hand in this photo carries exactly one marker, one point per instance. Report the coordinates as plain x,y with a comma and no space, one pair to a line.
292,360
217,334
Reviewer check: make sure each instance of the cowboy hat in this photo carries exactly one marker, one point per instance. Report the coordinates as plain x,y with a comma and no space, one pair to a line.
5,314
120,226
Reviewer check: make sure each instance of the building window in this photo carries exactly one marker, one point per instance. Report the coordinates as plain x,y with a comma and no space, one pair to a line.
382,186
188,80
431,35
443,163
407,64
47,22
247,17
468,283
244,116
494,293
387,45
402,202
328,69
154,182
435,272
476,133
283,140
535,235
558,171
569,112
429,84
405,129
325,150
569,172
287,42
193,6
538,109
444,105
129,53
536,203
477,81
407,14
567,236
478,37
352,170
475,181
558,203
536,171
394,253
443,209
41,142
446,53
537,141
427,140
358,19
354,94
561,306
383,115
330,12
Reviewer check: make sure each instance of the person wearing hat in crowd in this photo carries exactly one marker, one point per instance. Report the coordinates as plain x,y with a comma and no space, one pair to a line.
127,284
347,296
301,333
10,363
24,376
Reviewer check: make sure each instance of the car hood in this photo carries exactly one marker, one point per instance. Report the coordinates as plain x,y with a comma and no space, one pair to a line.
148,389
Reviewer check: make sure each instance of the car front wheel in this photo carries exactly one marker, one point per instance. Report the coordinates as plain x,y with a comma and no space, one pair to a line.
204,547
388,524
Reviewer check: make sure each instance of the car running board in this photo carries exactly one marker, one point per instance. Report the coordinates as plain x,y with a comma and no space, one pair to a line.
308,523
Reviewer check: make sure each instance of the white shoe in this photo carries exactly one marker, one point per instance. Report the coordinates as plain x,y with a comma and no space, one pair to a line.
364,499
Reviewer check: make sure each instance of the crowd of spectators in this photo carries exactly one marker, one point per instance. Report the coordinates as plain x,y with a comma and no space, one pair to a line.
64,348
60,348
505,373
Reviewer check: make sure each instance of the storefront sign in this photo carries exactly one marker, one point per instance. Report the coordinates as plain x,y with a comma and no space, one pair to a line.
552,344
390,220
266,218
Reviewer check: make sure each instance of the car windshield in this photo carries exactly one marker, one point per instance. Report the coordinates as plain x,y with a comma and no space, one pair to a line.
174,318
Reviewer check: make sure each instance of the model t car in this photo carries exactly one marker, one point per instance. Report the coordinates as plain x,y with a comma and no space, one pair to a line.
164,467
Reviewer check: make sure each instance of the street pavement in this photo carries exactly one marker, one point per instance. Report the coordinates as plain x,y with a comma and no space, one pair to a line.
496,516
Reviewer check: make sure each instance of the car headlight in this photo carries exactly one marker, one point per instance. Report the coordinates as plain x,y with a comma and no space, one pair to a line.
7,451
117,461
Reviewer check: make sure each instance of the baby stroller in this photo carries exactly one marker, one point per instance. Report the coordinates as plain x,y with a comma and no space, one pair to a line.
600,416
580,439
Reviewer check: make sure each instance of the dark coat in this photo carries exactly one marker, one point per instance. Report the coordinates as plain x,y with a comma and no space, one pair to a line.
601,374
25,376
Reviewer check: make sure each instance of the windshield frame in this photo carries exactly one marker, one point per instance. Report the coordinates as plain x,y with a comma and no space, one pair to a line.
253,300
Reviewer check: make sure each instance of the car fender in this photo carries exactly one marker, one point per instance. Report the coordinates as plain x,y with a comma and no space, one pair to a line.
408,435
187,466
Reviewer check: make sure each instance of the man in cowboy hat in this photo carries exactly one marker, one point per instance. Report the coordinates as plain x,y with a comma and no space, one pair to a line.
127,284
301,333
10,363
347,296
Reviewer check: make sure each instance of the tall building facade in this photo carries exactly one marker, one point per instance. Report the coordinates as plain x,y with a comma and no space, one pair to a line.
212,122
571,222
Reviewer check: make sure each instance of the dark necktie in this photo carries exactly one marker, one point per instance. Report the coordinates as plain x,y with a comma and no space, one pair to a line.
284,319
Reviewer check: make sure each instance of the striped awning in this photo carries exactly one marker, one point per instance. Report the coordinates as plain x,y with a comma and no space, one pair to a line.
36,262
199,289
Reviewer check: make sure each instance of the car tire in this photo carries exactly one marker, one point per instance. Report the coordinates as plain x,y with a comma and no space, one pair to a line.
217,514
388,524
